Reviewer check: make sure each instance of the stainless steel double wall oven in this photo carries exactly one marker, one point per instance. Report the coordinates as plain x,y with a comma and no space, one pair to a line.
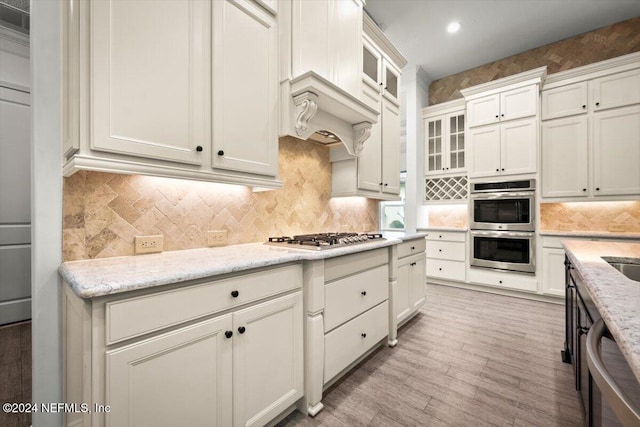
503,224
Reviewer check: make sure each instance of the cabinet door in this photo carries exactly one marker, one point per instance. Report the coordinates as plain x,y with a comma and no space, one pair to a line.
391,82
616,90
564,101
245,88
402,305
518,103
148,80
455,142
553,272
370,161
484,146
418,283
483,111
434,147
518,147
267,360
390,148
178,378
371,63
616,152
565,170
346,39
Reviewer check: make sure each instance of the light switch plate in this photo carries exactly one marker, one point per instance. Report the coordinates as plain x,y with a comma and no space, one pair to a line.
217,238
148,244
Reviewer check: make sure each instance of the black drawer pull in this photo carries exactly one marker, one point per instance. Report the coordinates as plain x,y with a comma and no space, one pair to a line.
199,148
363,293
228,334
220,153
241,329
235,294
363,335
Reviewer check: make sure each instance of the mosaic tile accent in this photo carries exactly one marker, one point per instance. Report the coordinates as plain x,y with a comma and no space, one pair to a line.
590,216
449,216
102,212
598,45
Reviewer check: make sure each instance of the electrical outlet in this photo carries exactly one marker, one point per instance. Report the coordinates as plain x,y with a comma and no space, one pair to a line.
617,227
217,238
148,244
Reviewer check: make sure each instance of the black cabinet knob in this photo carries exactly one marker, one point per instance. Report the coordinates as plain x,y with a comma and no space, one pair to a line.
363,293
597,188
235,294
502,168
501,115
597,104
499,281
413,248
584,106
440,268
440,236
220,153
380,184
442,168
386,184
413,264
199,148
228,334
241,329
380,84
363,335
439,250
584,189
497,170
497,116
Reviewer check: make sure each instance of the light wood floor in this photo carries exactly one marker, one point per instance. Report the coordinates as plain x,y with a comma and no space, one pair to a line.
468,359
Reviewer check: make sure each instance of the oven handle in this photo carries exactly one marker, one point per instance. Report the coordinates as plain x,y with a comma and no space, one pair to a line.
504,195
626,411
502,233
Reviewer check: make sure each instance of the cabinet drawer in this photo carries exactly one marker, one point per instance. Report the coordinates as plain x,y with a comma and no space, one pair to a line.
503,280
348,297
131,317
450,236
451,270
350,341
342,266
411,247
453,251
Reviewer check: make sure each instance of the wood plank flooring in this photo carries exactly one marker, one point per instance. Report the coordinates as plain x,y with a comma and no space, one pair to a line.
468,359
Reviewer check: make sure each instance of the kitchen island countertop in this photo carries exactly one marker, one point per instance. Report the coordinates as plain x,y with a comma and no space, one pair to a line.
593,234
616,297
106,276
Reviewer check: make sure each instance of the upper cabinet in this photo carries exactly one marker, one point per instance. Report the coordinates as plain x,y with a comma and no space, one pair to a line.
444,133
591,115
375,173
503,125
180,110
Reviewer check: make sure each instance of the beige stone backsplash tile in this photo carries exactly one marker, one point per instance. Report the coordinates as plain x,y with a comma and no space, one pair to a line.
590,216
104,212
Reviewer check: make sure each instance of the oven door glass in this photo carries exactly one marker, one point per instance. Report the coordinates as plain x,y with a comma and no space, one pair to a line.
496,250
503,213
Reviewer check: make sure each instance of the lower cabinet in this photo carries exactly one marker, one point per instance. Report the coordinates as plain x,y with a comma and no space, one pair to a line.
242,367
410,289
553,271
447,255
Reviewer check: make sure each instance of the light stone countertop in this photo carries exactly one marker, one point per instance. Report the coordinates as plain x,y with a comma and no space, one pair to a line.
106,276
616,297
454,229
605,234
403,235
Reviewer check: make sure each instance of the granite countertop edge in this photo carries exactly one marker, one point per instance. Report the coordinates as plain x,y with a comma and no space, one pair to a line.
616,306
404,235
454,229
107,276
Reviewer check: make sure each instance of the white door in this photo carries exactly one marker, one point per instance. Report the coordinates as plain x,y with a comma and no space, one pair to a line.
418,283
616,90
484,151
390,119
15,206
564,101
616,151
402,292
518,147
484,111
553,272
181,378
518,103
149,87
370,161
245,88
455,142
267,360
565,147
391,81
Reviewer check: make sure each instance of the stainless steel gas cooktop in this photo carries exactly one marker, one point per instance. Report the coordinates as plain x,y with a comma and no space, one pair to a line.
321,241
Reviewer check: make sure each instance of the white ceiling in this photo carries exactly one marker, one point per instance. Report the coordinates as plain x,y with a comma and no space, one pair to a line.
491,29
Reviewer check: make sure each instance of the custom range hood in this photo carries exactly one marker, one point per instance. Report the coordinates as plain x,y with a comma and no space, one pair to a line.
321,111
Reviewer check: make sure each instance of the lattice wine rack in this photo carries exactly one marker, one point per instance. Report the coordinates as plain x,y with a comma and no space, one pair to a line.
448,188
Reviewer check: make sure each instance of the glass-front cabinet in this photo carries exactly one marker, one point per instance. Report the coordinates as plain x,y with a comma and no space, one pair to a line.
444,143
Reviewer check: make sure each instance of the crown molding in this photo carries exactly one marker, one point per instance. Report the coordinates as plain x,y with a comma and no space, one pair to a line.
537,75
444,108
380,39
597,69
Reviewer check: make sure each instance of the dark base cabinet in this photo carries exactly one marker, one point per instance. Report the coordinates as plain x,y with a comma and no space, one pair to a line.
617,401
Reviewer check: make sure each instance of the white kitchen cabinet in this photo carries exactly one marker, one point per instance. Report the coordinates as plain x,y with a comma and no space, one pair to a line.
508,105
409,293
245,88
446,256
563,139
190,368
504,149
503,279
444,144
390,121
553,271
594,119
223,352
132,107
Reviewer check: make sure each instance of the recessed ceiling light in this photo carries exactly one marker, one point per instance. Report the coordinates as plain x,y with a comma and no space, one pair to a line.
453,27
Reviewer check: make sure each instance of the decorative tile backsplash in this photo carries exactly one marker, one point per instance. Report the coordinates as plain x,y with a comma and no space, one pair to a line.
448,216
590,216
104,212
598,45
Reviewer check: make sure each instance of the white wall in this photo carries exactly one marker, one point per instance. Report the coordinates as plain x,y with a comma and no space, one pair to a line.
415,84
46,203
